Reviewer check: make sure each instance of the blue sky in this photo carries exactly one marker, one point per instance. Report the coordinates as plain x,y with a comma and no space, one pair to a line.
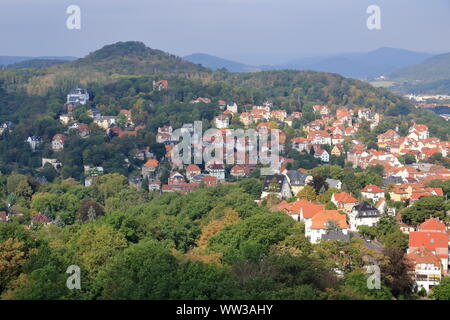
251,31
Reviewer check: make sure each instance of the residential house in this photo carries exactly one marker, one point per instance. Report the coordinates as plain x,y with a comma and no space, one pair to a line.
233,108
436,242
217,170
276,184
418,132
427,268
324,221
160,85
386,137
372,192
365,113
344,201
280,115
363,214
246,118
298,180
34,142
192,170
65,119
322,154
149,168
176,178
320,137
90,171
334,184
54,162
58,142
322,110
135,182
78,96
221,122
154,185
240,171
40,219
105,122
338,150
164,134
301,144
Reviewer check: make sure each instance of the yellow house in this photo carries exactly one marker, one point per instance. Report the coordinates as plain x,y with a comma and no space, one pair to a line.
336,151
401,192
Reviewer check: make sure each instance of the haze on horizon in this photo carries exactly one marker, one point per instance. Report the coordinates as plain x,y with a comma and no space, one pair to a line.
249,31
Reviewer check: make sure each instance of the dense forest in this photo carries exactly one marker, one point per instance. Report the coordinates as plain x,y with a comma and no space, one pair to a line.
212,244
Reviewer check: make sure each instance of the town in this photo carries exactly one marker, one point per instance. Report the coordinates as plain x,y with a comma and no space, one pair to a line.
407,160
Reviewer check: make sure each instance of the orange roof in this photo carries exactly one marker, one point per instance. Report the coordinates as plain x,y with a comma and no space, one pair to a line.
60,136
320,220
371,188
344,197
309,209
433,224
430,240
193,167
423,255
420,127
151,163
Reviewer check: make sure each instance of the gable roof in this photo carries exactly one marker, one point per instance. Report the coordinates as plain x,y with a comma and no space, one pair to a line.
151,163
371,188
279,180
423,255
320,220
433,224
344,197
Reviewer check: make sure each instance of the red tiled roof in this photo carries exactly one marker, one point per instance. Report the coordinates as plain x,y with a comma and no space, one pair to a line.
344,197
434,241
424,256
371,188
433,224
320,219
151,163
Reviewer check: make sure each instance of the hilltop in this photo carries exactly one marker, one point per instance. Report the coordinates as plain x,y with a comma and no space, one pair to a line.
122,59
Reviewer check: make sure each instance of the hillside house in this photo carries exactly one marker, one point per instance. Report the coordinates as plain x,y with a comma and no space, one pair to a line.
78,96
324,221
363,214
278,185
58,142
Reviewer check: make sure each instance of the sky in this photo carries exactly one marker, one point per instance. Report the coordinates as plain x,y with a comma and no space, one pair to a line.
250,31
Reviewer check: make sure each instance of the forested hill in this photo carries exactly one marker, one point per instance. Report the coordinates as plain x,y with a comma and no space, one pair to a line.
136,59
303,87
433,69
122,59
133,66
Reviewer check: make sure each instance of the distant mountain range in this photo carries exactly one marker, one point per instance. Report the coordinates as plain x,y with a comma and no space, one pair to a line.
10,60
36,63
215,63
367,65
